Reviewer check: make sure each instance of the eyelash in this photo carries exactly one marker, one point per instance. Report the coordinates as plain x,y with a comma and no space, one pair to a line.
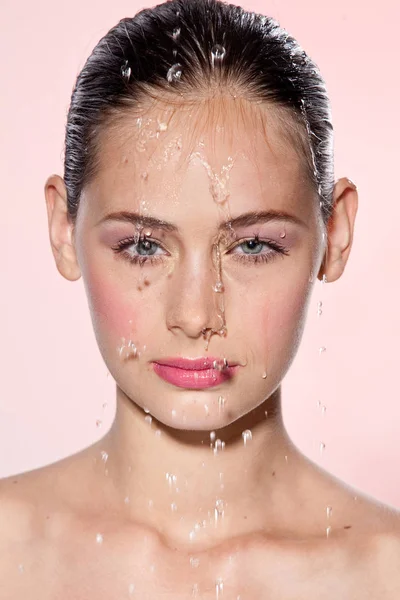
151,260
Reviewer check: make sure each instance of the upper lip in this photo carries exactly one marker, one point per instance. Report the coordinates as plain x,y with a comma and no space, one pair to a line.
192,364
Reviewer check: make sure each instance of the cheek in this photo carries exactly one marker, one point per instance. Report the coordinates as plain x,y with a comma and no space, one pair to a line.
278,320
113,317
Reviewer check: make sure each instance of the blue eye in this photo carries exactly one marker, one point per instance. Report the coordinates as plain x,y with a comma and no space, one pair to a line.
139,252
149,247
254,246
253,250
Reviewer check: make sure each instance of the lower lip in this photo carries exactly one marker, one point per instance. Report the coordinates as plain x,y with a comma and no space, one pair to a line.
193,380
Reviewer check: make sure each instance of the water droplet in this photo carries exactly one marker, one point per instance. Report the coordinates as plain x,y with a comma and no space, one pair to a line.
266,414
150,504
217,53
126,71
173,413
128,350
174,507
194,562
283,234
146,410
219,588
99,538
264,375
286,458
99,423
328,531
192,535
104,456
126,499
206,409
195,589
170,479
328,512
322,447
319,309
157,432
105,405
212,436
220,365
219,509
145,176
21,568
148,419
247,436
131,589
219,445
176,32
221,403
174,73
322,349
219,287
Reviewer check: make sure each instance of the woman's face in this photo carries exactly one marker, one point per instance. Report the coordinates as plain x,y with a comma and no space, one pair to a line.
196,266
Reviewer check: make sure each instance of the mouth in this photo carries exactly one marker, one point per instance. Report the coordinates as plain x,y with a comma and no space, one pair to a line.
195,373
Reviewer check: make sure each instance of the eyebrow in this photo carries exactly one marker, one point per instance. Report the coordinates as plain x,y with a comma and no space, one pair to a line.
250,218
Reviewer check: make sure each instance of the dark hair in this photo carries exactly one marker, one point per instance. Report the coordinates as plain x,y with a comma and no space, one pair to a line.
181,47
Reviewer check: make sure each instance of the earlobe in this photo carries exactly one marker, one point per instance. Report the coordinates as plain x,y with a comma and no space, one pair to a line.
61,228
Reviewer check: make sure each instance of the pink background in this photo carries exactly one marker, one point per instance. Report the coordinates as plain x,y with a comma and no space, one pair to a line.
53,381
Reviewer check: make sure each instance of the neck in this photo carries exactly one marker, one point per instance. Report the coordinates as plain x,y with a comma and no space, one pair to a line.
191,493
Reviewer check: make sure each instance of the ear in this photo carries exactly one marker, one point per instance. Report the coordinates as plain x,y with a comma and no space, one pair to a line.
340,229
61,228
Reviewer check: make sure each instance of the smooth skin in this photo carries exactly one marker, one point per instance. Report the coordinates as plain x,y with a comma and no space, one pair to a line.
151,511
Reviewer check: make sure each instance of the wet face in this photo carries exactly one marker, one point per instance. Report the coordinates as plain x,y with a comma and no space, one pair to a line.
197,240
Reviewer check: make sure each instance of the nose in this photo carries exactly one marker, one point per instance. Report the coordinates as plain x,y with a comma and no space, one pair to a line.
191,304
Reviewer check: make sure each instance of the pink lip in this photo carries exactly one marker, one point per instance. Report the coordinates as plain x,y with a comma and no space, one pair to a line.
197,373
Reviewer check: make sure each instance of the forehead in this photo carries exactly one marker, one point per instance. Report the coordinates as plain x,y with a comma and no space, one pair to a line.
166,152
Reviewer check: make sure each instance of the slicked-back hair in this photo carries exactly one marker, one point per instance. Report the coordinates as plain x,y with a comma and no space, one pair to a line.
184,48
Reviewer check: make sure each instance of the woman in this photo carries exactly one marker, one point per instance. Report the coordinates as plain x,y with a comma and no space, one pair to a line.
199,205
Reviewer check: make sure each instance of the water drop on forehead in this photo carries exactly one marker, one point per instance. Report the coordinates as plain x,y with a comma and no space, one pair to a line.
174,73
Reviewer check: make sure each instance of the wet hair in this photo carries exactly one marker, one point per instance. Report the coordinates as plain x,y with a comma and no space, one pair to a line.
183,47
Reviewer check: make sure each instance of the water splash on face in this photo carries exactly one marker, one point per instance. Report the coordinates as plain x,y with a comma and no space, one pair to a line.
247,436
219,446
219,588
127,349
219,510
220,365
